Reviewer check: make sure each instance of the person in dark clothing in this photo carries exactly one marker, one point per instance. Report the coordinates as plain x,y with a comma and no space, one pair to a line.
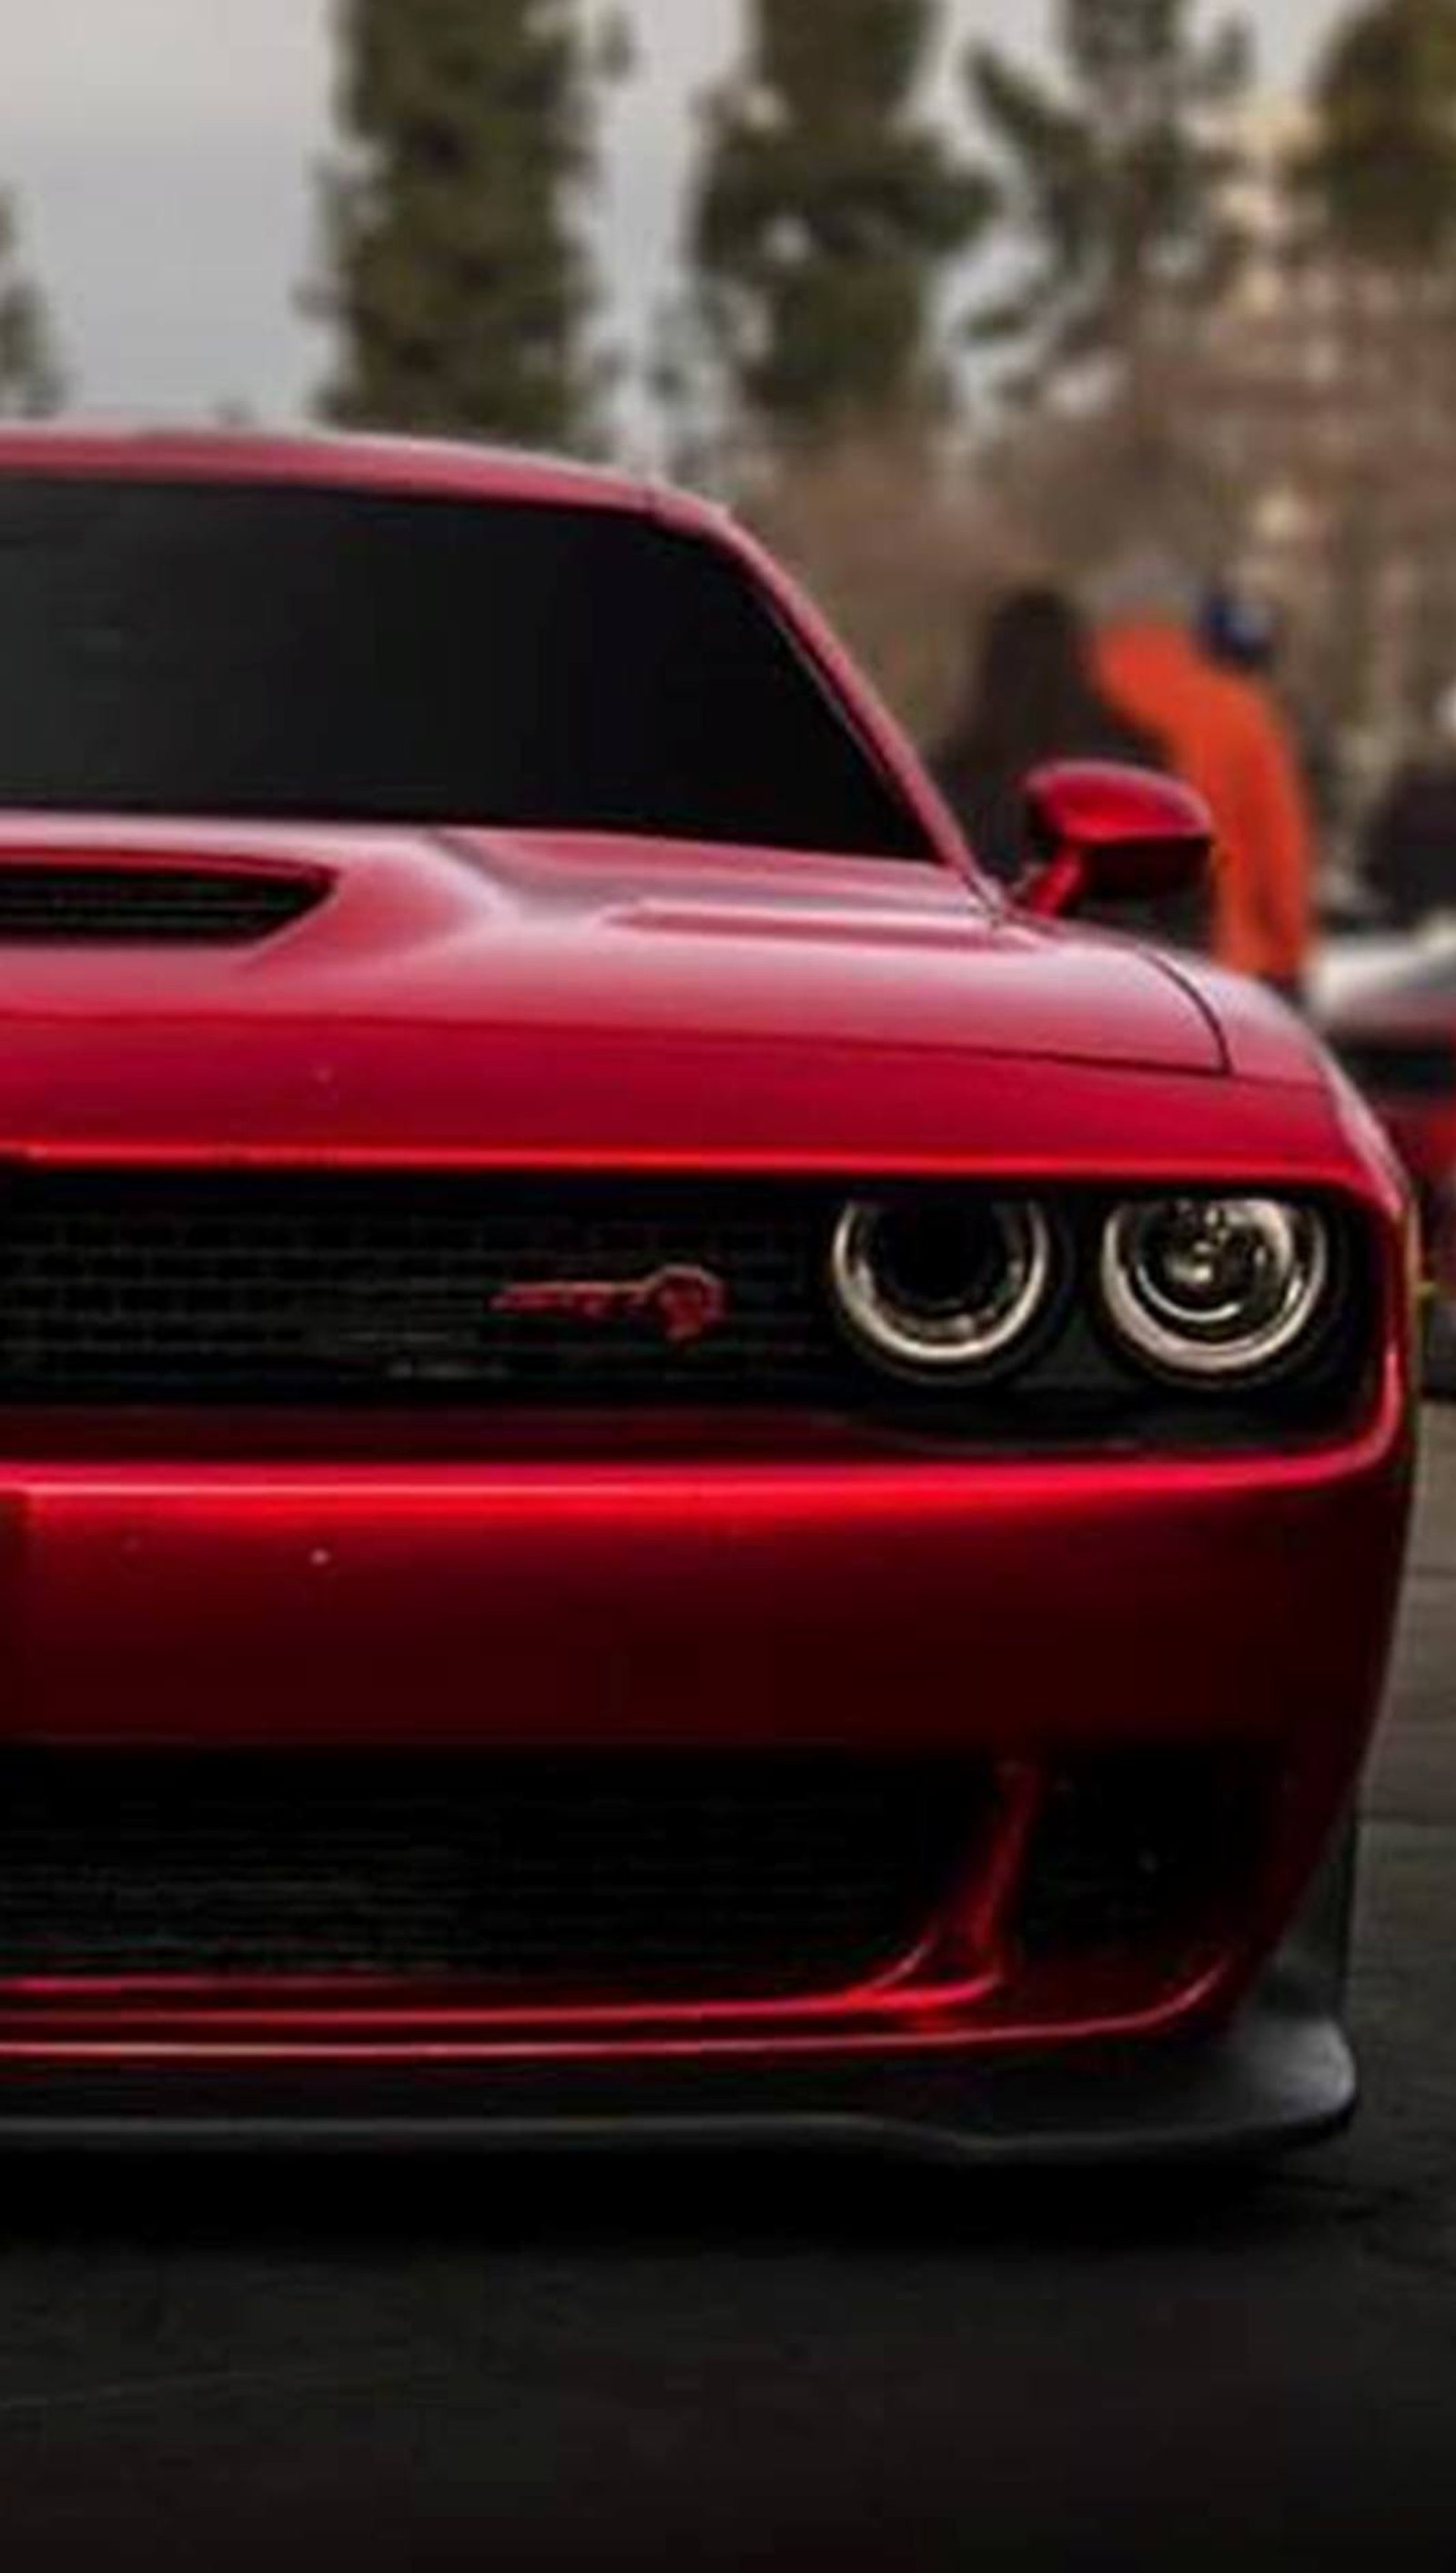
1035,697
1409,854
1239,631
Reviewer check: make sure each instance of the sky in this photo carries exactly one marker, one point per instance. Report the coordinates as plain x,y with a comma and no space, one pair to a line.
165,154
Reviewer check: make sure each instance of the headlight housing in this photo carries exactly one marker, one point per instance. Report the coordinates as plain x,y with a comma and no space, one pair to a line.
1216,1288
951,1287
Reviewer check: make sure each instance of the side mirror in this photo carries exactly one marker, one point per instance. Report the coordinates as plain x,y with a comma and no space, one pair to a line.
1106,834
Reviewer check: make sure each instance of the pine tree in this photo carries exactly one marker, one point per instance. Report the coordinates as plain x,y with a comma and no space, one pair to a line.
457,282
1384,174
31,381
825,212
1116,178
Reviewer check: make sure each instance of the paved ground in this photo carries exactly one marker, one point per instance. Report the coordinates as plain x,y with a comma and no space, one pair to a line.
716,2365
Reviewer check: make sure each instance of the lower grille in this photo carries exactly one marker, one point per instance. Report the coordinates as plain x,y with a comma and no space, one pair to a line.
530,1877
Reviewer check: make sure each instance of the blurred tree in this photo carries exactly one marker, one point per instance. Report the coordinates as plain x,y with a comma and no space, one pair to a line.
1374,270
1382,173
824,213
456,278
1117,179
31,381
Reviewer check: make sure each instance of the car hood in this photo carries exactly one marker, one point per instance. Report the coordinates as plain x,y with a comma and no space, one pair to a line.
594,995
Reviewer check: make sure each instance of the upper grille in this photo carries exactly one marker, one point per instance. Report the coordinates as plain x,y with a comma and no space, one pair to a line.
260,1291
530,1877
147,905
257,1287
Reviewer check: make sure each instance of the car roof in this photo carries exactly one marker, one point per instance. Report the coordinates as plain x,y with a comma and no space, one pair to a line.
333,460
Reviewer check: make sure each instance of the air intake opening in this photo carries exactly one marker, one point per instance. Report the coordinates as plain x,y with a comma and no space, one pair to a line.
1140,1850
533,1876
141,903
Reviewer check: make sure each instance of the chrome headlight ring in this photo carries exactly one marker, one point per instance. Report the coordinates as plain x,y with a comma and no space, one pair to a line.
955,1309
1215,1288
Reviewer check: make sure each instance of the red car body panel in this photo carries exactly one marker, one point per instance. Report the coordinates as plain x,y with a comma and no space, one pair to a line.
746,1603
554,1003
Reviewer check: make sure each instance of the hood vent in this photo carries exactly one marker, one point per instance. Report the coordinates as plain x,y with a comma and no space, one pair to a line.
141,902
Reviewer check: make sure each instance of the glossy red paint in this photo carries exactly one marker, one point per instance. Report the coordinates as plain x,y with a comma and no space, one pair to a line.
1111,834
692,1004
837,1604
517,1001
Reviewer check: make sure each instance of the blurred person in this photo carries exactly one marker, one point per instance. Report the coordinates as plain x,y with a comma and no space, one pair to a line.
1238,631
1226,737
1409,847
1033,695
1243,631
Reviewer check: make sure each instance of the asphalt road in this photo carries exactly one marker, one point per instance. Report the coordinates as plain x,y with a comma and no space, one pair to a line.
739,2364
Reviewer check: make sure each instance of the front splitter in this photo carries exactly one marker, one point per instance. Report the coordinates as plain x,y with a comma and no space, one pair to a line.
1275,2076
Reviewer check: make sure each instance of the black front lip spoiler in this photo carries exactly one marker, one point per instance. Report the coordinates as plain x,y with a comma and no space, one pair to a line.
1274,2078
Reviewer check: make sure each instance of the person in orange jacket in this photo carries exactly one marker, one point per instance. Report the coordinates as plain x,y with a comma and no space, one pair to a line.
1224,735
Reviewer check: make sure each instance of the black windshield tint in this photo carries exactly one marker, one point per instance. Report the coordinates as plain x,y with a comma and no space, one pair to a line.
266,652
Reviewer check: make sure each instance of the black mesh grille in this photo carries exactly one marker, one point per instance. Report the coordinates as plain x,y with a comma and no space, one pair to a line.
256,1293
1399,1067
147,906
573,1876
255,1288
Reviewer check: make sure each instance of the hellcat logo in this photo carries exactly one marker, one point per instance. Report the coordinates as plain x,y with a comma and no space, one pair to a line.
684,1305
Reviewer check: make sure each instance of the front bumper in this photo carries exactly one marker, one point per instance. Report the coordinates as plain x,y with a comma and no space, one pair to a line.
1032,1614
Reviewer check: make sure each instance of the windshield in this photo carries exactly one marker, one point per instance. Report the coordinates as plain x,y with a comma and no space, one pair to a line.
270,651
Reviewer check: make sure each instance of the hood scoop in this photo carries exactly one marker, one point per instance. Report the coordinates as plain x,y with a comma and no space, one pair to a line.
133,899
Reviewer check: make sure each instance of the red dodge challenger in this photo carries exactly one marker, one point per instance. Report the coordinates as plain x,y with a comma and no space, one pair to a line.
667,1472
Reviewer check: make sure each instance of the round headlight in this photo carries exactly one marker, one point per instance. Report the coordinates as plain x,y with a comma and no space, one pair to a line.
1214,1286
942,1286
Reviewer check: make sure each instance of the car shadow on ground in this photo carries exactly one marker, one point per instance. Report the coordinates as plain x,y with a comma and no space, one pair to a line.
847,2202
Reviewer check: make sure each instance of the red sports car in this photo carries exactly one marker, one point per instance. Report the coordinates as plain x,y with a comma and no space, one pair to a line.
667,1470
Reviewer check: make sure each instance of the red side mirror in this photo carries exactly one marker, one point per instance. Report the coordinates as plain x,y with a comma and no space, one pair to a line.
1106,834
